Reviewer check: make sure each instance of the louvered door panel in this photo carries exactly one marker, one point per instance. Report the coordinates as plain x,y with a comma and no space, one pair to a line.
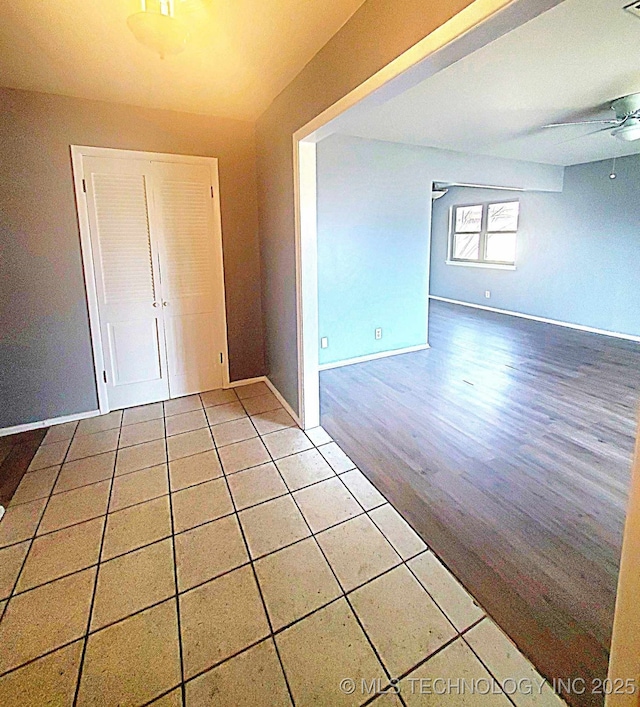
124,238
190,274
188,242
127,280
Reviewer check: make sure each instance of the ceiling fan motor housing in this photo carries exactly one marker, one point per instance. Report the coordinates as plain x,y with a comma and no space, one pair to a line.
627,109
626,105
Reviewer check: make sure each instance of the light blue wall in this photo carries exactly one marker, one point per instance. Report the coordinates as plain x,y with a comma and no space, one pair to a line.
374,222
578,251
373,247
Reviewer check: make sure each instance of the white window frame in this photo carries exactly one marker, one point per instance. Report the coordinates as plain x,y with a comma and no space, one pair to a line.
483,233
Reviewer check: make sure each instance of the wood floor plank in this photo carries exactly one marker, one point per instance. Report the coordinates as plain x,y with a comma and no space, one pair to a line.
507,446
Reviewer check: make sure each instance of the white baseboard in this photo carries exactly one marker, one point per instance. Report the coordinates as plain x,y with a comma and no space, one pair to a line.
283,402
245,381
274,390
94,413
544,320
47,423
372,357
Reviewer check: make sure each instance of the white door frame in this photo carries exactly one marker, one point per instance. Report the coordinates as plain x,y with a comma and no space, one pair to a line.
479,23
78,152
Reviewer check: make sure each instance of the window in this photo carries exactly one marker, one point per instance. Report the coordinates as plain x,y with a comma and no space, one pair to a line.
484,233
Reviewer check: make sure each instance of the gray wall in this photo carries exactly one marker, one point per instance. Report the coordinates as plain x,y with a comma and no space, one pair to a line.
374,220
375,35
46,367
578,252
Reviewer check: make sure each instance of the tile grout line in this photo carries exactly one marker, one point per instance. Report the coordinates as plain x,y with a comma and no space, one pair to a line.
277,632
487,668
41,655
162,601
235,512
183,689
405,562
210,426
158,603
215,665
12,504
165,463
133,471
181,592
289,492
403,518
458,633
87,520
95,581
346,596
331,569
416,666
181,532
255,574
366,511
100,562
428,548
32,539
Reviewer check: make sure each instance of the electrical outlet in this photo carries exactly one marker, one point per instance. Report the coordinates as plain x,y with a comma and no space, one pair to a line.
378,334
324,343
487,293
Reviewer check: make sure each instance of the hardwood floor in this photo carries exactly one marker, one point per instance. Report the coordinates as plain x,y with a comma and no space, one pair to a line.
507,446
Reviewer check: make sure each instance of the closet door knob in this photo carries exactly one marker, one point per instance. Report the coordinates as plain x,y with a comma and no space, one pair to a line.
156,304
164,304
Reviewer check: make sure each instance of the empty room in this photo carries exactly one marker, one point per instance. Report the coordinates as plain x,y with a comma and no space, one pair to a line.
479,319
319,353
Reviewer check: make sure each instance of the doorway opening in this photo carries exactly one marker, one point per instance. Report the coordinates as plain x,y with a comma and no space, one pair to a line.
559,348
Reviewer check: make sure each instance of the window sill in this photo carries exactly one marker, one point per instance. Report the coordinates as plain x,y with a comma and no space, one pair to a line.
491,266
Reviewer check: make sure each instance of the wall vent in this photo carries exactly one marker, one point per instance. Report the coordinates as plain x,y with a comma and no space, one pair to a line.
633,8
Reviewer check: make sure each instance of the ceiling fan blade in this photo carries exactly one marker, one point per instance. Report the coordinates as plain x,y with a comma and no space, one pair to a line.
583,122
592,132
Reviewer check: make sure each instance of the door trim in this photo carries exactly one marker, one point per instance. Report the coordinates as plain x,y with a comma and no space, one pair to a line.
479,23
78,152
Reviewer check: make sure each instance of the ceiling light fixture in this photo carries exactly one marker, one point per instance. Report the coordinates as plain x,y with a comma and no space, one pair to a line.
157,27
629,131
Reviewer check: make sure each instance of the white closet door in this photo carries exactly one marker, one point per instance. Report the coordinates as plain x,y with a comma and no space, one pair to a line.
127,280
191,275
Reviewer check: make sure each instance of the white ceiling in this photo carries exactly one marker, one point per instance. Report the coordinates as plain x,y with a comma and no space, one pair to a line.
242,53
565,64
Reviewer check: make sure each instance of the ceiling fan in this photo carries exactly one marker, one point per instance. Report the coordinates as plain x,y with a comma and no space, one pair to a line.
625,126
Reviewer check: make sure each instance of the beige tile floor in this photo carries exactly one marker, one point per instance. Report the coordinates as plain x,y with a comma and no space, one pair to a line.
206,551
